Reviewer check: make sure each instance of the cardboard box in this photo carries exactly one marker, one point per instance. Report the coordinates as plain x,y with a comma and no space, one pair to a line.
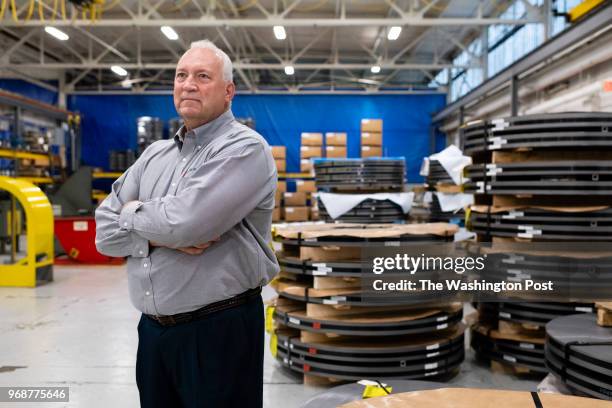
335,151
281,165
335,139
371,125
276,214
307,152
312,139
314,213
281,185
296,213
296,199
306,165
279,152
278,198
305,186
371,151
371,139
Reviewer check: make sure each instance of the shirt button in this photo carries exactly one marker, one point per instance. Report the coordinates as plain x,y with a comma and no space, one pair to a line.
199,147
140,252
148,293
184,159
173,184
125,224
145,265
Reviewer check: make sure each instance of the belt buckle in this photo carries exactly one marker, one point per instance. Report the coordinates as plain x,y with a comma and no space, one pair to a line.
166,320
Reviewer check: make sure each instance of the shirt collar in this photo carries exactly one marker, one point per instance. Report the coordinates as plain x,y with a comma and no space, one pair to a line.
206,132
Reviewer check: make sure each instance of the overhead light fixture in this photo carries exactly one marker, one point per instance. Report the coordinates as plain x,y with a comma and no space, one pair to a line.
54,32
169,32
394,33
119,70
280,33
375,69
289,70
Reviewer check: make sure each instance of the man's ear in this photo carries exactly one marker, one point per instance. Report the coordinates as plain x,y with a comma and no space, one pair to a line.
230,91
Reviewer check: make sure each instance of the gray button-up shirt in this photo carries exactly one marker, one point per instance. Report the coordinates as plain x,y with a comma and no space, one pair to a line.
218,182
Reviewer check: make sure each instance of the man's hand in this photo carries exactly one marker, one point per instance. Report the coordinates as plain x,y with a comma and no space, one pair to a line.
192,250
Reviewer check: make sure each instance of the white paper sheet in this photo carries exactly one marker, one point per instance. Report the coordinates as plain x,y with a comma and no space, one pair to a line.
453,161
454,201
338,204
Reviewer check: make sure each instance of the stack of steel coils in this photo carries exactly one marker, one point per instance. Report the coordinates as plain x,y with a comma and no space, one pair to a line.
328,324
579,352
370,174
544,188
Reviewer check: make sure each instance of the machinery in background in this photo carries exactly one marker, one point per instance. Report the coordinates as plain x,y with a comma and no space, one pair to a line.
149,130
75,226
21,198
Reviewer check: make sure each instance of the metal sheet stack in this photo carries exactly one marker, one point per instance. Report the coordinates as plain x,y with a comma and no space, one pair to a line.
369,176
326,325
444,197
539,179
579,352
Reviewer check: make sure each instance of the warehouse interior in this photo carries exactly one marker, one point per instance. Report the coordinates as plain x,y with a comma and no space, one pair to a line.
484,126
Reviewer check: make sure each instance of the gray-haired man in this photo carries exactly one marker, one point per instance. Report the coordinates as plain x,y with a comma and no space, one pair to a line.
193,217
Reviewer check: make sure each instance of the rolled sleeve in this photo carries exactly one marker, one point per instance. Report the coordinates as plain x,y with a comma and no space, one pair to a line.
126,217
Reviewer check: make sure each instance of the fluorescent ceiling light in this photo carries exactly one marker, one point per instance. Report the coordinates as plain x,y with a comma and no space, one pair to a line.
375,69
60,35
280,33
169,32
119,70
394,33
289,70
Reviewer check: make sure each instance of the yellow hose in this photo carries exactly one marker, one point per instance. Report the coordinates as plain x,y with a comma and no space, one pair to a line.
54,10
30,11
14,11
2,9
41,13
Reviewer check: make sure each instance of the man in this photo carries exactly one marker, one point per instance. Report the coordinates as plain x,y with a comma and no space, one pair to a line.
193,216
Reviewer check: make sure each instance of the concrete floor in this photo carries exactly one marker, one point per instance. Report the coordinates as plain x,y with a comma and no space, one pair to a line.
80,332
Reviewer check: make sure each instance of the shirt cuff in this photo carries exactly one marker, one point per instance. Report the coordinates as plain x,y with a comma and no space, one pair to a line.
140,246
126,217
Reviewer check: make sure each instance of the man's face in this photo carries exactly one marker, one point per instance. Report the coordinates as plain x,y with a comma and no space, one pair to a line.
200,92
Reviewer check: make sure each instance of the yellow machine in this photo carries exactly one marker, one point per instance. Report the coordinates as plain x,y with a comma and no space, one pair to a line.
38,262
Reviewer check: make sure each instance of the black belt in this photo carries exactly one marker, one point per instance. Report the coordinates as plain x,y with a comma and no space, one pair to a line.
237,300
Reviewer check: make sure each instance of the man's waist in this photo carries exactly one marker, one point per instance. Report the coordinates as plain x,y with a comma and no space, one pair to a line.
173,320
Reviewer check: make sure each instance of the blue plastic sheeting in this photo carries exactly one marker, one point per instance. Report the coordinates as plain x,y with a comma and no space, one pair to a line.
29,90
109,122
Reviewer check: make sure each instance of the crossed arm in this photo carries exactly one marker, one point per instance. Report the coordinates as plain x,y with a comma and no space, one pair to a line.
214,198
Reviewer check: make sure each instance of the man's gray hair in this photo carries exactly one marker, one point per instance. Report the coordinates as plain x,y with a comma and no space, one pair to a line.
225,59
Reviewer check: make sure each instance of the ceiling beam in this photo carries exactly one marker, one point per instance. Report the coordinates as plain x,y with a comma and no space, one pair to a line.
410,20
237,65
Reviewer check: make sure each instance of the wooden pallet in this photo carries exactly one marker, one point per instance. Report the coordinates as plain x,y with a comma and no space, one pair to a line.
505,327
604,314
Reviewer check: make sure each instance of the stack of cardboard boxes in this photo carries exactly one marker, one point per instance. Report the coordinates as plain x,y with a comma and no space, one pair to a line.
280,158
298,204
335,144
371,137
311,148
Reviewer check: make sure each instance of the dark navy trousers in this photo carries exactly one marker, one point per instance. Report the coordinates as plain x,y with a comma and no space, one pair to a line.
215,362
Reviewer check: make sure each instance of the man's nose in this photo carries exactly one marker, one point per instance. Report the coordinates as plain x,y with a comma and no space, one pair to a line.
189,84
